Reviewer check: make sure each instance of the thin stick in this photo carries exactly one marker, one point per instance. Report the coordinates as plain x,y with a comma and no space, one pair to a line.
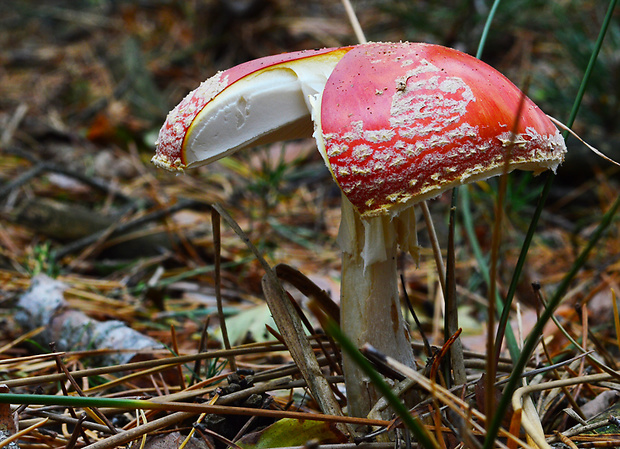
124,227
451,323
77,431
217,262
493,347
357,28
60,419
432,235
124,437
44,166
175,347
95,411
290,326
202,347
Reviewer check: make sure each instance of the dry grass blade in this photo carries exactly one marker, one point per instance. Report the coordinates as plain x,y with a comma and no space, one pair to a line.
217,256
290,326
563,439
144,429
158,365
60,418
530,419
22,338
446,397
22,433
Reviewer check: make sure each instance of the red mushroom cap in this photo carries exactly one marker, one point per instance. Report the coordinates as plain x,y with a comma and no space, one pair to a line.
404,122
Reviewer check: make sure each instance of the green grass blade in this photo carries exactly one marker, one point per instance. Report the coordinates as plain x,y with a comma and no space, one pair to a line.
511,340
487,27
543,196
532,340
468,222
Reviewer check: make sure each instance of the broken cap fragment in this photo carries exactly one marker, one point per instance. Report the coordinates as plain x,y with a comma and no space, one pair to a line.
224,115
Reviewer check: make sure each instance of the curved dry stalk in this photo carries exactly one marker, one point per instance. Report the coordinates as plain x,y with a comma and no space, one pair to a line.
521,403
217,259
291,328
456,404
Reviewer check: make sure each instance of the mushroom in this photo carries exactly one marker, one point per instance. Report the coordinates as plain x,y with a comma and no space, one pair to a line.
396,123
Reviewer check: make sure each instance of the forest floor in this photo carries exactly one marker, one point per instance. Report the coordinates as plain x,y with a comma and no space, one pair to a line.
92,231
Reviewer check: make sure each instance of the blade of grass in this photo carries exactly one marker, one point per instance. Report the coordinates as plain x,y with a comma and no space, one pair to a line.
475,419
502,308
487,27
531,341
551,176
140,404
616,317
493,348
512,345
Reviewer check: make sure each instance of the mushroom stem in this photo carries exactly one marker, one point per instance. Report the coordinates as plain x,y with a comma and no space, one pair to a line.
371,309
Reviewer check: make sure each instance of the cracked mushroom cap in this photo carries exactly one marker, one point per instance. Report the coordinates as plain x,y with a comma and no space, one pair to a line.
396,123
400,123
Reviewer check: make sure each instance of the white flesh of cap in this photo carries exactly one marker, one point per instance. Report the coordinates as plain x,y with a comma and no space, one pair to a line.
266,106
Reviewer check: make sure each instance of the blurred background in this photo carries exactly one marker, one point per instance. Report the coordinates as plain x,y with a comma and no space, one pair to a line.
85,86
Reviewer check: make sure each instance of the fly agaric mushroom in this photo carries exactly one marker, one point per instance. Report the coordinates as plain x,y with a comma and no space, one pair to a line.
396,123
